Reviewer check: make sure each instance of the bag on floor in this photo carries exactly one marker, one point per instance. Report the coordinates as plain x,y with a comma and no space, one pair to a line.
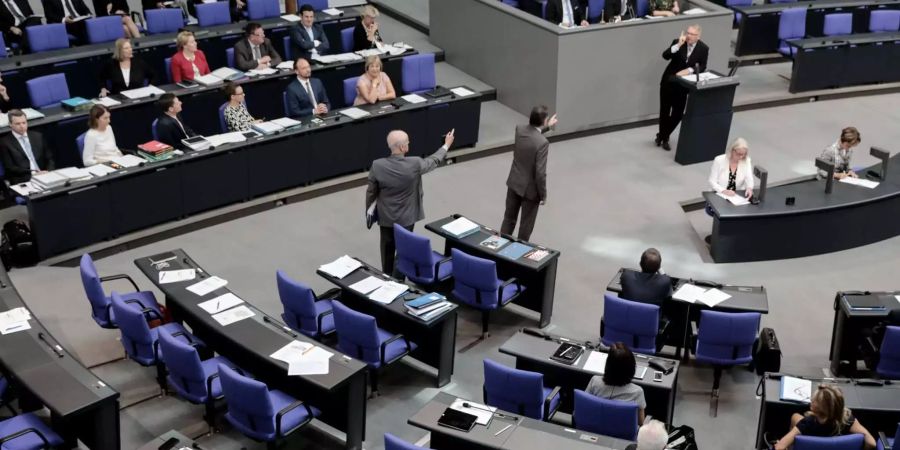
682,438
767,352
17,247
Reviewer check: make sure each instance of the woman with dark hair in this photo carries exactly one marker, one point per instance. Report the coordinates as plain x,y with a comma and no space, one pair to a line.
615,383
99,141
827,416
237,118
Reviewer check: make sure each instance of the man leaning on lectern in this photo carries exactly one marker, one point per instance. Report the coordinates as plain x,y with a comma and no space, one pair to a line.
686,55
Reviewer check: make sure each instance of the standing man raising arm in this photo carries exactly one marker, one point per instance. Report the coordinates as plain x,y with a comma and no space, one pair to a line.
684,54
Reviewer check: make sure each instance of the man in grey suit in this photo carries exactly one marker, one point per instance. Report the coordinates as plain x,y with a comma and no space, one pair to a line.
527,182
255,52
395,186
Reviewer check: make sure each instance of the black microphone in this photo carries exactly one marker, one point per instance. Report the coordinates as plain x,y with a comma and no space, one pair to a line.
697,71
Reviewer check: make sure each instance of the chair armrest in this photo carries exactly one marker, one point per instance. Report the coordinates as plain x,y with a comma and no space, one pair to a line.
507,283
330,294
392,339
120,276
437,266
144,310
19,434
547,413
209,382
186,336
288,409
320,318
883,440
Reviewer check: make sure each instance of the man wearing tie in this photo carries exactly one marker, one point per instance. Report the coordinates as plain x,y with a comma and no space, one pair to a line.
307,37
15,15
66,11
306,96
23,152
685,55
566,13
255,52
170,128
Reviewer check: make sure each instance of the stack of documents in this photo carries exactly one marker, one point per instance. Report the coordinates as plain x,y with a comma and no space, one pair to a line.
30,114
691,293
428,306
226,138
367,285
341,267
461,227
48,180
795,389
25,189
74,173
515,250
304,358
736,199
388,292
99,170
266,71
414,98
14,320
338,58
219,75
106,101
354,113
274,126
333,12
461,92
860,182
291,17
143,92
127,161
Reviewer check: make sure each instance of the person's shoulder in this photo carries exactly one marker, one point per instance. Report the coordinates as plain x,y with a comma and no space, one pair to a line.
720,159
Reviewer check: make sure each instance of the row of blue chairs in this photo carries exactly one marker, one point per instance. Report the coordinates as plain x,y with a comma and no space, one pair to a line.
792,25
25,431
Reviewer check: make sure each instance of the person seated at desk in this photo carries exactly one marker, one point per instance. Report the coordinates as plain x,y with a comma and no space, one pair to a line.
170,128
15,16
24,152
308,37
306,96
664,8
120,8
651,436
374,85
615,383
123,71
4,97
840,152
365,34
236,115
255,52
827,416
732,172
66,11
189,61
649,285
99,142
567,13
187,7
619,10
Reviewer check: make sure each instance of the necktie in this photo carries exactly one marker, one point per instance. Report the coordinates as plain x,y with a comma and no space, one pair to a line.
26,145
256,54
312,98
567,13
16,13
624,9
72,12
689,50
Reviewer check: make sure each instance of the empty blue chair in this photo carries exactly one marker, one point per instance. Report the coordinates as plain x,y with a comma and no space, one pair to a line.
887,442
418,73
259,413
595,10
163,20
724,340
153,129
634,324
475,283
317,5
614,418
101,303
168,63
360,337
889,354
350,90
417,261
392,442
347,39
846,442
42,38
737,15
519,391
192,379
884,20
838,24
2,47
27,432
303,310
288,50
47,90
791,26
229,57
215,13
104,29
262,9
222,124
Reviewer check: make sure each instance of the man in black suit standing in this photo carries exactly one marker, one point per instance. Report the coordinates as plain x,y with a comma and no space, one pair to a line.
567,13
255,52
66,11
648,285
686,55
170,128
23,152
15,15
308,37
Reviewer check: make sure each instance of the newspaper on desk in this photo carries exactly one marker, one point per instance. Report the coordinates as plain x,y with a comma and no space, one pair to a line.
304,358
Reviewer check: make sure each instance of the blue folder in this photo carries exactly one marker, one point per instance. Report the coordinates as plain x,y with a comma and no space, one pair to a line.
515,250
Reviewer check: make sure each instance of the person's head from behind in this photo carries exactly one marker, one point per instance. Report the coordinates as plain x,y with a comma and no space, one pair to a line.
692,34
98,117
302,68
370,13
373,66
186,41
739,151
169,103
234,93
307,15
123,50
398,142
652,436
539,116
651,261
850,138
255,33
620,366
17,121
827,404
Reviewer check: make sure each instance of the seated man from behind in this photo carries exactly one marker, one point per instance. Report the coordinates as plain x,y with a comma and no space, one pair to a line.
648,285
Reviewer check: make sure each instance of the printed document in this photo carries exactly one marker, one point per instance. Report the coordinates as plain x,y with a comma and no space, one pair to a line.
688,293
341,267
233,315
388,292
208,285
596,362
220,303
367,285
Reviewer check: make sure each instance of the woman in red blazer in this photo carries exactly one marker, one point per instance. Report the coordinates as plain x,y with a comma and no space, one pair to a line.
188,61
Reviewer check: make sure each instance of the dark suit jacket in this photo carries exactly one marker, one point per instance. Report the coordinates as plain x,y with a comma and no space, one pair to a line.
555,11
168,131
110,76
303,46
528,174
6,18
652,288
614,8
360,42
299,103
243,54
54,11
679,61
18,170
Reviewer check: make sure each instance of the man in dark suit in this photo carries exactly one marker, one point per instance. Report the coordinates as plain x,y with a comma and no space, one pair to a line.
686,55
308,37
23,152
527,181
170,128
306,96
568,13
15,15
255,52
648,285
66,11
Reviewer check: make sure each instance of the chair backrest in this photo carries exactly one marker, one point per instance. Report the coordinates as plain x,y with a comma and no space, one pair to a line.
782,1
261,9
889,361
79,142
595,9
229,57
738,2
298,301
514,390
215,13
2,47
415,259
513,3
350,90
544,10
47,90
392,442
163,20
726,338
42,38
284,104
168,63
317,5
249,403
137,340
603,416
846,442
838,24
288,49
104,29
792,23
153,129
357,333
475,280
643,8
884,20
222,124
634,324
94,291
418,73
347,39
185,369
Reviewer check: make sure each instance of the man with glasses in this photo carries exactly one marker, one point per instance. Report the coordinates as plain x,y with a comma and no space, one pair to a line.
255,52
686,55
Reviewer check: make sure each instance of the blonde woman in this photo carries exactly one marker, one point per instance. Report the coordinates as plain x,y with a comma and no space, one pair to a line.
732,173
189,61
827,416
366,34
124,71
374,85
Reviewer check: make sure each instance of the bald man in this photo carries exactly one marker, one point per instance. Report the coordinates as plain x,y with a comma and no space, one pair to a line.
395,186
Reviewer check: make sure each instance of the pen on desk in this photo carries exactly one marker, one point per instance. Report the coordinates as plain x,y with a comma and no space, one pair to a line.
504,429
307,350
162,276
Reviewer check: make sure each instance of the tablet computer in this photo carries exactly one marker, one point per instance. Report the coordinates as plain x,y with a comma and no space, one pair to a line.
457,420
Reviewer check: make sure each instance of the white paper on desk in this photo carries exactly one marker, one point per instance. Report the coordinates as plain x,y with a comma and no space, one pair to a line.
388,292
596,362
291,17
795,389
233,315
713,297
482,412
736,199
31,113
462,92
354,113
220,303
174,276
688,293
860,182
341,267
226,138
897,297
694,11
332,11
266,71
15,315
208,285
127,161
27,188
303,358
15,327
287,122
367,285
414,98
285,65
100,170
145,91
106,101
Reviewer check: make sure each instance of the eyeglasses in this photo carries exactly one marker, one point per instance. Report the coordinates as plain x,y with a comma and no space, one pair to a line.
259,34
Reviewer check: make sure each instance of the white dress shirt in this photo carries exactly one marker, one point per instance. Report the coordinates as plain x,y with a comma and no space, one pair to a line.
718,175
100,147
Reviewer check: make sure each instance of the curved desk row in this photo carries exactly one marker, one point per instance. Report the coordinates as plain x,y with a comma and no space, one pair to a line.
842,61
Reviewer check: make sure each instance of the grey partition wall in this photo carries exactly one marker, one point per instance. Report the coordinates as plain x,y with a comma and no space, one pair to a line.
593,77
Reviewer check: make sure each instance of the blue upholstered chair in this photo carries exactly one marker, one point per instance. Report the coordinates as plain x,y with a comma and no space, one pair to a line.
846,442
284,104
2,47
417,261
392,442
79,142
347,39
884,20
104,29
724,340
360,337
153,129
27,432
782,1
418,73
643,7
259,413
317,5
544,10
889,354
791,26
222,124
101,303
475,283
838,24
288,49
607,417
229,57
4,384
885,442
163,20
350,90
595,10
635,324
303,310
42,38
211,14
519,391
737,15
513,3
48,90
262,9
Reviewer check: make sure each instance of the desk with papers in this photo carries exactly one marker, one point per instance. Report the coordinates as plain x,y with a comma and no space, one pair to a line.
264,346
852,326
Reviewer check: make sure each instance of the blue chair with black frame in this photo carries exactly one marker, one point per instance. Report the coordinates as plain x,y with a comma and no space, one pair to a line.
163,20
614,418
212,14
317,5
476,284
838,24
4,397
304,311
417,261
513,3
222,124
104,29
360,337
889,354
48,90
417,73
347,40
259,413
595,10
884,20
27,432
725,340
229,57
350,90
43,38
101,303
791,26
263,9
392,442
634,324
737,15
888,443
846,442
519,391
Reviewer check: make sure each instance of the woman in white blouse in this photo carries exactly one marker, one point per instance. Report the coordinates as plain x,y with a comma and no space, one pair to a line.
732,173
99,141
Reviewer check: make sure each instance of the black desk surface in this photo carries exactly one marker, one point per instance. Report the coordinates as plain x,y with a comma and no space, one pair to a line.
847,39
856,397
474,240
524,434
770,8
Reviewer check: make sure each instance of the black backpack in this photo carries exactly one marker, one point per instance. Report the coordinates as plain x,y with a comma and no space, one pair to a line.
682,438
17,248
767,352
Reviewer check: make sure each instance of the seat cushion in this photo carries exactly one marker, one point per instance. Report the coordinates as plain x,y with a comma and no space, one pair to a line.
296,416
394,349
509,293
327,321
30,441
554,402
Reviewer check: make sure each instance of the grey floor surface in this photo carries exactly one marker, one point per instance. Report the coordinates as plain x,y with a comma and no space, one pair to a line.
610,196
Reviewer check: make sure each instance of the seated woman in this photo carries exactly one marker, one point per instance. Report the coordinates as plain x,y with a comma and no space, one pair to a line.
99,142
374,85
237,118
840,153
615,383
123,72
189,61
826,417
120,8
664,8
365,33
732,173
